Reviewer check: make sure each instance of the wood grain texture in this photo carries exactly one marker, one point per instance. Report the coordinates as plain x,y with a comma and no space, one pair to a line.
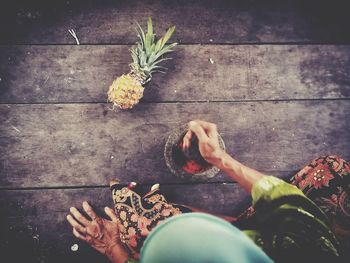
46,74
224,198
35,221
221,21
87,144
279,104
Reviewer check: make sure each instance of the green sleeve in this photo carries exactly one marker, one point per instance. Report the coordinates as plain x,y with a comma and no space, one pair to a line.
287,223
271,193
271,188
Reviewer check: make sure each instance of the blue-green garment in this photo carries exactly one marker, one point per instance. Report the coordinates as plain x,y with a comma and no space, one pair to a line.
198,238
287,226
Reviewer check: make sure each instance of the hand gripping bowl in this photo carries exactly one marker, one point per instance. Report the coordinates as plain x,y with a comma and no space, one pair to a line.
172,145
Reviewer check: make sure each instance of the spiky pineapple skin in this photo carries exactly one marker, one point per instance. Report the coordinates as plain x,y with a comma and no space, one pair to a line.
125,91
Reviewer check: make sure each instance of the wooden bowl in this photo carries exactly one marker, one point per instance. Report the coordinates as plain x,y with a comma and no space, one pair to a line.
173,140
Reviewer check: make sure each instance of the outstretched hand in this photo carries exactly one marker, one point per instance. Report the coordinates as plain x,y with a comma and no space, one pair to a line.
100,233
208,141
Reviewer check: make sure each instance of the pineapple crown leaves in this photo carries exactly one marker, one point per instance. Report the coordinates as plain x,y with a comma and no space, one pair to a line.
148,53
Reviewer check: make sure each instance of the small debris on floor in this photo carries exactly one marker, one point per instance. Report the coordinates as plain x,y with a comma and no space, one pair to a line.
112,157
36,237
74,247
210,40
17,130
72,32
211,60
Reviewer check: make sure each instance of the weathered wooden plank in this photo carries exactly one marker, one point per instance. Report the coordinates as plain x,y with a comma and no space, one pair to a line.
46,238
35,221
224,198
40,74
207,21
86,144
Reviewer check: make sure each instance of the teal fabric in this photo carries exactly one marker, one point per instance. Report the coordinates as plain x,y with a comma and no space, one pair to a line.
199,238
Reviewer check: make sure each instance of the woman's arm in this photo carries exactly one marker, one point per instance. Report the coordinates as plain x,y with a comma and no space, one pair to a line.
211,151
238,172
301,224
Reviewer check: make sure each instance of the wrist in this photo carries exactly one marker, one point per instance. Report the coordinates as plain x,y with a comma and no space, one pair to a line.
116,253
224,161
238,172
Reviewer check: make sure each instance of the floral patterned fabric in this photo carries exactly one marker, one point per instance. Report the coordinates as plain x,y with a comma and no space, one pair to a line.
138,215
326,181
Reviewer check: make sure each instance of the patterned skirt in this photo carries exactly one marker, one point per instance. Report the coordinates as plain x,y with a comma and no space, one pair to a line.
326,181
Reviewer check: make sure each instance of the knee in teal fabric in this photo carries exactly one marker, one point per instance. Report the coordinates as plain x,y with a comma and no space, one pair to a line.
198,237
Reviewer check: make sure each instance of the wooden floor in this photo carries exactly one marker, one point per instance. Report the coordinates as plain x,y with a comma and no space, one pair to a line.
279,90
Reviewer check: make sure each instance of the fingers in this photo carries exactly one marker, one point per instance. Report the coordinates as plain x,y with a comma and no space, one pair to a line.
187,140
197,129
76,225
89,211
78,235
111,214
78,216
202,129
209,127
206,125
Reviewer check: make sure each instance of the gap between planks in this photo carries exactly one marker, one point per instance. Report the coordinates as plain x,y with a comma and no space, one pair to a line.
285,43
179,101
107,186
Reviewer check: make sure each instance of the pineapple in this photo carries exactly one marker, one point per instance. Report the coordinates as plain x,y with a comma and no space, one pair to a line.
127,90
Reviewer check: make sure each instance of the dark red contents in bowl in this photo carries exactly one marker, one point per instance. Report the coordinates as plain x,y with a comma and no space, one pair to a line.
193,165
